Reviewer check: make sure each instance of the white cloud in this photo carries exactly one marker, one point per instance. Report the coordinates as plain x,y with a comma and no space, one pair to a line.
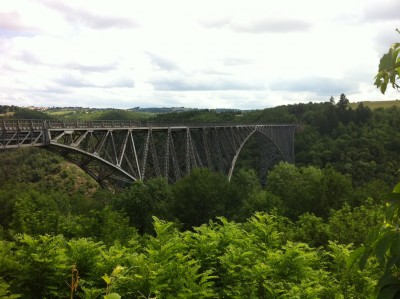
265,25
162,63
81,16
243,54
320,86
203,84
384,10
11,21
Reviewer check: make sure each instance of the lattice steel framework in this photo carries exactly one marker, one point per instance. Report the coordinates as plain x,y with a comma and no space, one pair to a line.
117,153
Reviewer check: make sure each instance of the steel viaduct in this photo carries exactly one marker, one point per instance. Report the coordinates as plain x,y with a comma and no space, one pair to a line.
117,153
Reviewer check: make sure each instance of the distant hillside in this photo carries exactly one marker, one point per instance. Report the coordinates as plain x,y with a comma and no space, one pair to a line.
22,113
97,114
377,104
179,109
278,114
134,114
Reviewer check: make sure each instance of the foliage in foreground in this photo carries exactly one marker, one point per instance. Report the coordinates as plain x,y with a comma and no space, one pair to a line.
288,250
384,243
221,259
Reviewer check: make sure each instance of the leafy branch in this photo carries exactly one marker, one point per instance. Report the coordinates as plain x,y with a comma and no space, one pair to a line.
110,280
389,68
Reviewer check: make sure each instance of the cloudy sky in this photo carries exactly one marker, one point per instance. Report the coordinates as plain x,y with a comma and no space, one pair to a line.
203,54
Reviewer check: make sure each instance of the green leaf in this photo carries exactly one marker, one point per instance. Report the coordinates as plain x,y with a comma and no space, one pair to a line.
396,189
112,296
106,278
391,262
389,213
355,256
383,87
388,292
388,286
393,197
117,270
373,235
395,247
388,71
364,257
383,245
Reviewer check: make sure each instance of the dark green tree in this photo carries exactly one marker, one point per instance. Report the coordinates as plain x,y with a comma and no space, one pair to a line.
142,201
343,102
35,213
200,196
363,113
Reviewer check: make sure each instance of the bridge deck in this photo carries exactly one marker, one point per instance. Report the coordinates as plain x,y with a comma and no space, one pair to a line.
29,124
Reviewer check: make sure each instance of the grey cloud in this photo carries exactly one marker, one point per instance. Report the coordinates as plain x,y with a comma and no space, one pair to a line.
383,11
215,23
272,26
69,80
318,85
57,90
49,89
216,84
91,68
12,22
122,82
236,61
260,26
211,71
29,58
73,81
89,19
161,62
384,39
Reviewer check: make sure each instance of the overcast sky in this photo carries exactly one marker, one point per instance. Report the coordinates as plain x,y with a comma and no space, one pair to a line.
203,54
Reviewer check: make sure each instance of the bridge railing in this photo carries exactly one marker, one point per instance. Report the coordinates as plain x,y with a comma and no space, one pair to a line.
124,124
52,124
22,124
35,124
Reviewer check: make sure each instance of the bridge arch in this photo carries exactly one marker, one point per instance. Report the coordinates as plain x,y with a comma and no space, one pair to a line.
106,174
239,150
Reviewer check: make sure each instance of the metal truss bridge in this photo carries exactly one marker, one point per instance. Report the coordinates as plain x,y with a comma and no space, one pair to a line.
117,153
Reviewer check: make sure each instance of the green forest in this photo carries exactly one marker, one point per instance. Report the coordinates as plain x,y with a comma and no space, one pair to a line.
299,236
324,227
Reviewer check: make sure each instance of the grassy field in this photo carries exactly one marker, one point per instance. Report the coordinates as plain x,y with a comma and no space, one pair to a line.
377,104
7,114
100,114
